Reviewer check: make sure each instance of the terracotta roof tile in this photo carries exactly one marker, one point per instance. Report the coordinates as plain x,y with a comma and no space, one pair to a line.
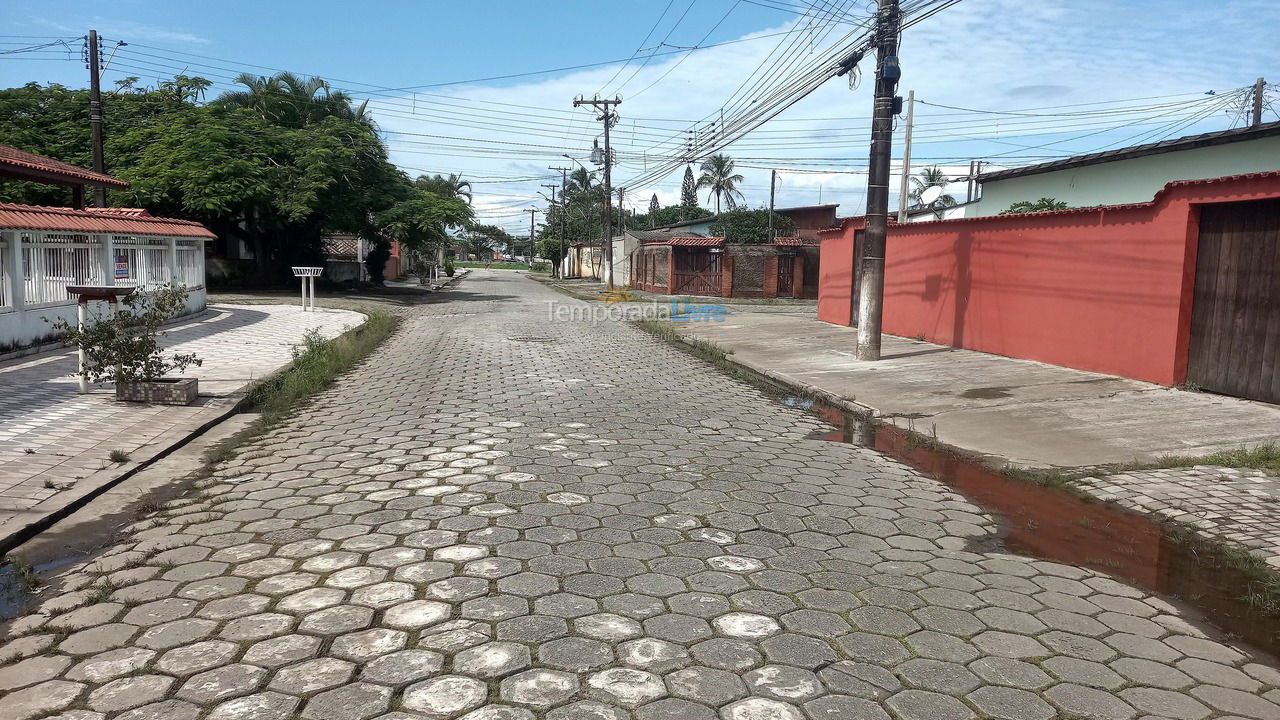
35,217
13,157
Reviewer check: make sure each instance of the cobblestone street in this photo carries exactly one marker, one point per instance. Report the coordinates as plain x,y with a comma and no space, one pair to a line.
500,516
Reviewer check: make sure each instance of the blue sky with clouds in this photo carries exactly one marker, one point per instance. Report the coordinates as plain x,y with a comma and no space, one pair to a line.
1000,55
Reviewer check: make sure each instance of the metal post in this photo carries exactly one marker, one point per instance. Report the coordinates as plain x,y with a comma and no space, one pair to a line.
311,283
871,300
903,190
304,294
95,117
82,313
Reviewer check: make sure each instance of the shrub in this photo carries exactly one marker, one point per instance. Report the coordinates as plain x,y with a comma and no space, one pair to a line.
125,347
448,268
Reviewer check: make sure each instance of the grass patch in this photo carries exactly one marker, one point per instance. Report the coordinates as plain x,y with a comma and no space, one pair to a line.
118,456
316,365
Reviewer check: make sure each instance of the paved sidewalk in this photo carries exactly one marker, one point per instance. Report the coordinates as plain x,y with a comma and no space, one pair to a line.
54,442
499,516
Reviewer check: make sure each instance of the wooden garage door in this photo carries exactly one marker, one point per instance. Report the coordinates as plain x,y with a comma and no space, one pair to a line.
1235,316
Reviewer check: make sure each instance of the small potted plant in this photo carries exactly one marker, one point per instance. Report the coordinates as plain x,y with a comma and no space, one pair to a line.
124,349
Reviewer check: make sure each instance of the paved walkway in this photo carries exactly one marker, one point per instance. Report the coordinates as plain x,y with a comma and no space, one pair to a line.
503,517
54,442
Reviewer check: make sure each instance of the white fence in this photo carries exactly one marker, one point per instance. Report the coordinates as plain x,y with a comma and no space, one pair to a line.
37,267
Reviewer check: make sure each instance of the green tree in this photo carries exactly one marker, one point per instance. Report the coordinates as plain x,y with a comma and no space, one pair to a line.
664,216
289,99
927,178
718,177
1041,205
482,240
688,190
653,210
451,186
750,226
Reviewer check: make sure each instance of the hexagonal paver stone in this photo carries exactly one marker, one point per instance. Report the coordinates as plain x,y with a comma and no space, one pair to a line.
1010,672
111,664
782,682
192,659
34,670
653,654
626,686
1088,702
225,682
40,700
575,654
588,710
357,701
539,688
163,710
400,668
337,620
492,660
1003,644
1236,702
746,625
607,626
499,712
798,650
312,675
365,645
256,627
446,696
944,677
1005,703
262,706
706,685
675,709
130,692
417,614
842,707
925,705
726,654
312,599
97,639
1165,703
159,611
284,650
761,709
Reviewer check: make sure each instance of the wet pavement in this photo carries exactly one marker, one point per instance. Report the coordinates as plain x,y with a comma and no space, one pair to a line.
502,517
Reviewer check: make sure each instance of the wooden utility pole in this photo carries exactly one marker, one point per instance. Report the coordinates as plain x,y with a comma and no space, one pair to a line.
904,189
871,292
95,117
773,187
608,117
1259,91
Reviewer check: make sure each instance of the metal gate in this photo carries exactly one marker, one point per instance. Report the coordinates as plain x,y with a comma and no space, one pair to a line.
786,275
1235,312
696,273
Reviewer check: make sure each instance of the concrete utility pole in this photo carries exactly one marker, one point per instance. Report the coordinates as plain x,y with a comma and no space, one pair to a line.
95,117
773,186
531,236
1259,91
904,190
564,213
552,187
608,117
871,293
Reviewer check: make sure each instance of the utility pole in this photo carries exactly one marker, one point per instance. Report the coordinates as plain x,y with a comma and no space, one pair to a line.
564,214
773,186
871,292
552,187
608,117
95,117
531,236
906,160
1259,90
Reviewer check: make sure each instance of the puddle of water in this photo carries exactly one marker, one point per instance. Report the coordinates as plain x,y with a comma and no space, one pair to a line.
1055,525
14,596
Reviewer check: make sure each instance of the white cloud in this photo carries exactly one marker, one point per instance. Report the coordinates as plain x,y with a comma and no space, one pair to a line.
128,30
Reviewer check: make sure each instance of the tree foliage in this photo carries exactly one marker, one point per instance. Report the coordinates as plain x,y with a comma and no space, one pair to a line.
664,216
688,190
1041,205
276,165
719,178
750,226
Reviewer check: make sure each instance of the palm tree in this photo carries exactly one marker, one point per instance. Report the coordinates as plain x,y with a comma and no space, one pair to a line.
451,186
292,100
719,178
930,177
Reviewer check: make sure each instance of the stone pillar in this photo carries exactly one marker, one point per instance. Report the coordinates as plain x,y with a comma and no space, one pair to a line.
769,287
726,274
13,270
671,269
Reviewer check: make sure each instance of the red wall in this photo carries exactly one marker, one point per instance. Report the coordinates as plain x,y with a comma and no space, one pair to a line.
1104,289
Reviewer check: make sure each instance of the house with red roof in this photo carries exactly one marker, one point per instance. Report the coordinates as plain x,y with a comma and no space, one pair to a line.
45,250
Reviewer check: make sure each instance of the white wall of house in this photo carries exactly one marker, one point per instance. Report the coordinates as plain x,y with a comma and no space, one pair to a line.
1129,181
37,267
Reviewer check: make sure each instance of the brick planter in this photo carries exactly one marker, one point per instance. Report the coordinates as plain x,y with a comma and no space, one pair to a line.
165,391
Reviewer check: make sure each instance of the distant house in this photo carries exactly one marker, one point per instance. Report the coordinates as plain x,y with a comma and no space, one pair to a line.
697,265
1132,174
344,259
45,250
808,219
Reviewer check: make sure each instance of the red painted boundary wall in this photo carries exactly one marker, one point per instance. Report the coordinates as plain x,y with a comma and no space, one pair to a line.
1106,289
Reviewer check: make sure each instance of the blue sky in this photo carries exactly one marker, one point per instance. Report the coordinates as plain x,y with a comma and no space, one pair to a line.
1148,62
